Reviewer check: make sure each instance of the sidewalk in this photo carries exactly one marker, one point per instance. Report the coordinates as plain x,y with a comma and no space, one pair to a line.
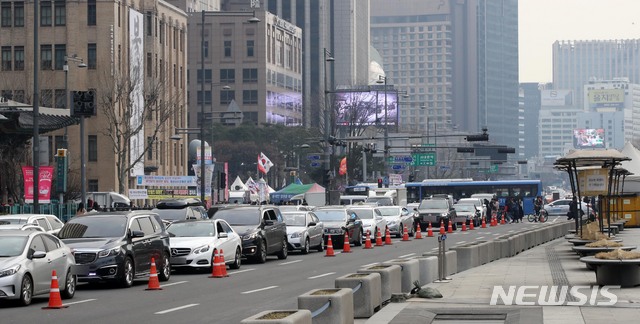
553,263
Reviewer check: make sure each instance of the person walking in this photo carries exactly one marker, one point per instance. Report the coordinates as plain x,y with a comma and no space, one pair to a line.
538,204
573,209
520,210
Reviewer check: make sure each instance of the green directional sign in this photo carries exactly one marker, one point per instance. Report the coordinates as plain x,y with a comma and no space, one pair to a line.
493,169
424,159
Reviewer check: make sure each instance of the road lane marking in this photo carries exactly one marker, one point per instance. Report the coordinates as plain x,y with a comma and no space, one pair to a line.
256,290
434,249
370,264
80,301
496,234
174,283
322,275
290,262
511,231
240,271
479,237
175,309
406,255
461,242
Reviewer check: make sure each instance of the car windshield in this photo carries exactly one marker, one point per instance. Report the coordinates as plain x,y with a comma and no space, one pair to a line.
11,246
377,199
364,213
7,221
434,204
389,211
294,219
331,215
171,214
191,229
94,227
236,216
465,207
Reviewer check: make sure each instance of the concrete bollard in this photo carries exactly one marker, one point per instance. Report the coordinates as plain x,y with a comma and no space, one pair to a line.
332,304
483,252
390,277
451,265
296,316
409,272
467,255
428,268
367,292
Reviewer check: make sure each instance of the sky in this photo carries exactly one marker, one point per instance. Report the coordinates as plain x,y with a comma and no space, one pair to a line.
542,22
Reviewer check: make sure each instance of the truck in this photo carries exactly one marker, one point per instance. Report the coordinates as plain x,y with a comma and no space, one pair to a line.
310,198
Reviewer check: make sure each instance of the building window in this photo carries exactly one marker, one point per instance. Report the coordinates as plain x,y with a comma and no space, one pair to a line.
61,100
61,52
227,48
249,75
150,147
207,76
227,75
6,58
250,48
250,97
206,49
45,13
226,96
92,185
18,58
91,13
6,14
18,14
46,57
46,97
93,148
60,11
92,56
207,97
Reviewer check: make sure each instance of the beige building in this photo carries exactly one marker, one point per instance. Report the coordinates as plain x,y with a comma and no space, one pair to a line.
255,67
117,40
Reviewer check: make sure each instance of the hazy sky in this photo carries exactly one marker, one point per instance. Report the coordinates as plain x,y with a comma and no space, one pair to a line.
542,22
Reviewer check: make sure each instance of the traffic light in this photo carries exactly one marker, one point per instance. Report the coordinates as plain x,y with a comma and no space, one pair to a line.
379,183
477,138
222,180
84,103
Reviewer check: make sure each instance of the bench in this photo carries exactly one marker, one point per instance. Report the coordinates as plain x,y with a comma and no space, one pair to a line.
579,242
624,273
590,251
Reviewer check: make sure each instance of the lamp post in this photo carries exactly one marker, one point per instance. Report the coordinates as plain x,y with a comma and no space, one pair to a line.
328,150
36,109
83,176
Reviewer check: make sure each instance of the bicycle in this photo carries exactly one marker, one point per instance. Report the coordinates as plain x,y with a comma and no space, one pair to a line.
541,216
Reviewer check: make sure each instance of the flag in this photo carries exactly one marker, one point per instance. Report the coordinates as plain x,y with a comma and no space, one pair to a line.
298,181
343,166
252,186
264,164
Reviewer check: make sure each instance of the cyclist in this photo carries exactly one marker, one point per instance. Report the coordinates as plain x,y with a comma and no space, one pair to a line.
538,203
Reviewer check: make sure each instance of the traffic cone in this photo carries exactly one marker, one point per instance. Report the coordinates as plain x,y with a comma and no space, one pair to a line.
471,228
502,221
405,234
154,284
346,247
493,221
484,223
329,248
441,228
367,242
449,228
379,239
429,231
418,234
464,226
387,237
223,264
55,302
216,271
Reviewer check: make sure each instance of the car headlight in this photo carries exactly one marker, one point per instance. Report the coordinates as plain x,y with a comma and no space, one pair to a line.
296,234
444,214
9,271
109,252
250,236
201,249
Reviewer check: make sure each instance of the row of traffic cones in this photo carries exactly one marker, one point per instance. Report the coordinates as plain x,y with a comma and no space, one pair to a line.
346,248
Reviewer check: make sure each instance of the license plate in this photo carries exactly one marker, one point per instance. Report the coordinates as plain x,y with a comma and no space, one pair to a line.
179,260
425,218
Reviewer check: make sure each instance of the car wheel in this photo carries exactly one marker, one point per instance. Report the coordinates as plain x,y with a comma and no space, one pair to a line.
69,286
411,230
236,259
305,248
26,290
127,273
262,252
359,240
165,272
321,246
284,252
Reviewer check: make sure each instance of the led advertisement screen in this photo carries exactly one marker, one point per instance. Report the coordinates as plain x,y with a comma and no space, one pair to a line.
366,107
588,138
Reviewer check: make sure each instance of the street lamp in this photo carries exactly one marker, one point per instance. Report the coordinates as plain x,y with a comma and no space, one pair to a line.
383,79
328,150
83,169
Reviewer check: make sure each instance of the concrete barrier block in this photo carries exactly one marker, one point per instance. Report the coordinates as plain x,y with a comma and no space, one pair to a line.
467,255
502,248
295,316
340,309
451,262
367,292
483,252
390,277
409,271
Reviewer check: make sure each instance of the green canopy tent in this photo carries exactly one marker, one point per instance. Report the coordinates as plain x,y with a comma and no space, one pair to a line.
284,194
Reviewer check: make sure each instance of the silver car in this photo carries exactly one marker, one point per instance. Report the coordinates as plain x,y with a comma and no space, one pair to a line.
304,231
397,219
50,223
27,262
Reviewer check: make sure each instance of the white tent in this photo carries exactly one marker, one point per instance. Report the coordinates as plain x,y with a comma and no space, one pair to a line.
631,182
238,185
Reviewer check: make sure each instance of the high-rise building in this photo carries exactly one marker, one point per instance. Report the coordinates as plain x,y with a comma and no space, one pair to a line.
557,120
530,106
351,47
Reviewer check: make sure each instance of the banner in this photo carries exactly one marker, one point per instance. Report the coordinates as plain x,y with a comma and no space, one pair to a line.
167,181
343,166
44,184
138,194
593,182
136,96
207,179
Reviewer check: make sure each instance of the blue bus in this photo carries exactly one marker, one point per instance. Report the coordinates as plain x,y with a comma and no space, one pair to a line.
527,190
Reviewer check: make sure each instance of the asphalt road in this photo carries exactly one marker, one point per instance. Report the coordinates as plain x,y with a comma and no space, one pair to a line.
192,297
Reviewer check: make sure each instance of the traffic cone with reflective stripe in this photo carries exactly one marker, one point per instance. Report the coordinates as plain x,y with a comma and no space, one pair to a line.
405,234
367,242
329,248
223,265
449,228
346,247
154,284
387,237
442,227
429,230
484,223
379,239
418,234
216,271
502,220
471,225
55,302
464,226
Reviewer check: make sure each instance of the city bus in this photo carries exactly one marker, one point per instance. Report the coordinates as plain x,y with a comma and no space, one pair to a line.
526,190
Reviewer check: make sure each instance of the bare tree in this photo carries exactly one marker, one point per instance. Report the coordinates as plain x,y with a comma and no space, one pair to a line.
14,152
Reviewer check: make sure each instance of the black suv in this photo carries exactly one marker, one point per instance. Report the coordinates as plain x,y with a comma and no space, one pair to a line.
261,228
118,246
432,210
173,209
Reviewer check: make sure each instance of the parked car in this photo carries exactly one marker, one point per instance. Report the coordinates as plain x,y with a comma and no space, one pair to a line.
194,243
397,219
467,213
477,202
379,201
50,223
118,246
21,227
261,228
372,220
433,210
305,231
560,207
352,199
27,261
337,220
287,208
169,216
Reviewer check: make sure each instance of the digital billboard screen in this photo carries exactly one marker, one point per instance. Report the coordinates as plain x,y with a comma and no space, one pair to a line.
588,138
366,107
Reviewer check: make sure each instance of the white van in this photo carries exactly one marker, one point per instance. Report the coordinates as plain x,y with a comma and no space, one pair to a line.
352,199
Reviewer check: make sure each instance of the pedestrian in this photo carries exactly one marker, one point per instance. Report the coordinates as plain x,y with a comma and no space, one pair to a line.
573,209
520,210
80,210
495,206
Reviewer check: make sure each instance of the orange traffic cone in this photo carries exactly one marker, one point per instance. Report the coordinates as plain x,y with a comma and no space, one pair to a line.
429,231
346,247
154,284
484,223
464,226
367,242
387,237
405,234
471,225
441,228
449,228
418,234
493,221
379,239
223,264
502,221
329,248
216,271
55,302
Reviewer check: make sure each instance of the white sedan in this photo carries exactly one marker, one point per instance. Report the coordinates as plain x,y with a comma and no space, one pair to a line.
397,219
372,220
304,231
194,243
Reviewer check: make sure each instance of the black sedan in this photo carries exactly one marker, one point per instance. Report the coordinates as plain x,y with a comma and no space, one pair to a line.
337,220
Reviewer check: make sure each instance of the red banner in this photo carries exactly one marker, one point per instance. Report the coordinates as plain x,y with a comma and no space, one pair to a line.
44,183
343,166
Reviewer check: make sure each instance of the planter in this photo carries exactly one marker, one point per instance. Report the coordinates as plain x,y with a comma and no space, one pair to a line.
296,316
329,305
367,292
428,268
409,272
451,262
390,277
467,255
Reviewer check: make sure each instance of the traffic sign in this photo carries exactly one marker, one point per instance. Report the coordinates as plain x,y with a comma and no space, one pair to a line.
493,169
424,159
315,164
398,167
444,167
400,159
313,157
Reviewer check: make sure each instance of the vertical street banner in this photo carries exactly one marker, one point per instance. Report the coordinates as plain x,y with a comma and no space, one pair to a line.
207,179
136,97
44,184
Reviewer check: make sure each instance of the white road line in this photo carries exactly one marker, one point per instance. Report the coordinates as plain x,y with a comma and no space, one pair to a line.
240,271
322,275
79,302
511,231
370,264
496,234
175,309
479,237
461,242
434,249
256,290
290,262
406,255
174,283
555,219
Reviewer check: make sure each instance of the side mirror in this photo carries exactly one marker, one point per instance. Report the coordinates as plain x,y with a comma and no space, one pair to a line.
135,234
223,235
38,255
268,222
311,224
